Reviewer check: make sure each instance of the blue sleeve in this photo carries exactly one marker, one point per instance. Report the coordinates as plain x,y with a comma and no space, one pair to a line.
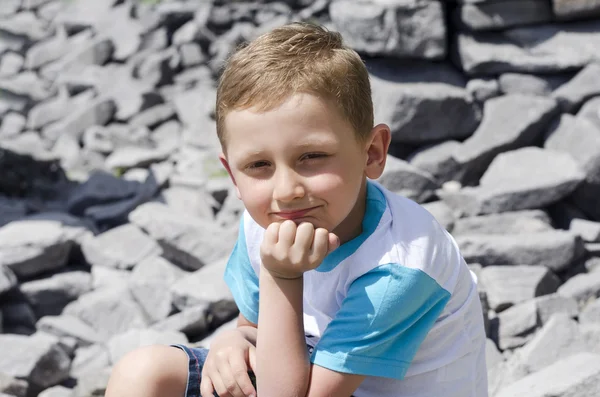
242,279
384,318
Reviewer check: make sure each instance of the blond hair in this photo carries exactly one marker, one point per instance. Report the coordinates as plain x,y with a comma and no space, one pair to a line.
299,57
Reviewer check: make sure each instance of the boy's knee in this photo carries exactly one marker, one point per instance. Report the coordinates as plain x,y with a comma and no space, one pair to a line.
150,370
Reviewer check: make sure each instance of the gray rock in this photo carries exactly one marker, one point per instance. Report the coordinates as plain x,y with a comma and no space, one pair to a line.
483,89
593,249
582,287
12,125
51,109
122,247
97,112
529,84
187,294
442,213
509,122
12,386
393,28
11,210
437,160
191,55
110,311
132,157
591,111
504,187
592,264
517,320
540,49
38,359
57,391
11,64
489,15
25,24
516,222
103,276
548,305
556,250
84,13
577,375
226,327
509,285
29,144
89,360
575,9
48,50
124,31
192,321
196,202
18,318
590,313
149,284
8,280
93,384
121,344
402,178
48,296
27,85
100,188
405,97
10,8
588,230
186,241
32,247
71,326
584,85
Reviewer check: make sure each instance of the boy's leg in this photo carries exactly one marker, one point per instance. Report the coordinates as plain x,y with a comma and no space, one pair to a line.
150,371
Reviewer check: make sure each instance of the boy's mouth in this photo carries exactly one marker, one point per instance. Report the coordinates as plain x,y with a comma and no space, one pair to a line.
294,214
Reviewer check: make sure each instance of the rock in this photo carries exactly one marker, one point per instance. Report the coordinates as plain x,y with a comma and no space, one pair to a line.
18,318
556,250
132,157
548,305
11,64
406,95
49,296
582,287
89,360
92,384
103,276
504,187
110,311
122,247
483,89
57,391
575,9
529,84
8,280
25,24
187,294
442,213
393,28
492,15
588,230
509,285
32,247
583,86
124,31
149,284
227,326
509,122
516,222
192,322
580,138
590,313
190,201
37,359
12,124
577,375
402,178
48,50
592,264
437,160
539,49
121,344
100,188
71,326
517,320
591,111
16,387
189,242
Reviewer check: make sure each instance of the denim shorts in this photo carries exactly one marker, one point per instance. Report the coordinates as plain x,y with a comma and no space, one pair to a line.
196,359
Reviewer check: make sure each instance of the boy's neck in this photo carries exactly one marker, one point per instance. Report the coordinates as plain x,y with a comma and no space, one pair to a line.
351,227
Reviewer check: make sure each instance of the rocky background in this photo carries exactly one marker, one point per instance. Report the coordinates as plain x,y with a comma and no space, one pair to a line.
116,218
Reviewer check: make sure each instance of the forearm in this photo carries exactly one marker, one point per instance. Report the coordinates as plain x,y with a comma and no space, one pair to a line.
282,358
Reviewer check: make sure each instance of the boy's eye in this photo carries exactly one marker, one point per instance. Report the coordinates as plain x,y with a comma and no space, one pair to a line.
258,164
310,156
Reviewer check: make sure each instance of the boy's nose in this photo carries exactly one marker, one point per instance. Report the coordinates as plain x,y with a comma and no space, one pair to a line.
288,186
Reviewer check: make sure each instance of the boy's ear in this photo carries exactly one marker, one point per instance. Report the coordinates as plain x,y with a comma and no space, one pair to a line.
380,139
228,168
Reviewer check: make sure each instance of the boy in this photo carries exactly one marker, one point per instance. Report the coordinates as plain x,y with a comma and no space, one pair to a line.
361,291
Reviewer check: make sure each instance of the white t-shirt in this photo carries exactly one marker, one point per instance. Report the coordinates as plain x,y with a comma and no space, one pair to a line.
396,302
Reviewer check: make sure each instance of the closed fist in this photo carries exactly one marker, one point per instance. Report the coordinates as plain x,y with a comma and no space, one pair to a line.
288,250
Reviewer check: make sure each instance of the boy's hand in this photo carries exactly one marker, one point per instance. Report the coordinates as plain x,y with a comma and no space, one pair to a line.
287,250
226,368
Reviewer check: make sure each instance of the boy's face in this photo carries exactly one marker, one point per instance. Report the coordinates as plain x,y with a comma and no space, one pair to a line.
301,161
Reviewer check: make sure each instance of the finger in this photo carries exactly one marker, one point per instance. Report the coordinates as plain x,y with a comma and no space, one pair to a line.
304,236
252,358
220,387
334,242
287,234
272,233
206,387
230,384
239,370
320,245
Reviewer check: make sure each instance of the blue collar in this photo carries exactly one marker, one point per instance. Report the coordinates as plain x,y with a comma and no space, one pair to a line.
374,210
